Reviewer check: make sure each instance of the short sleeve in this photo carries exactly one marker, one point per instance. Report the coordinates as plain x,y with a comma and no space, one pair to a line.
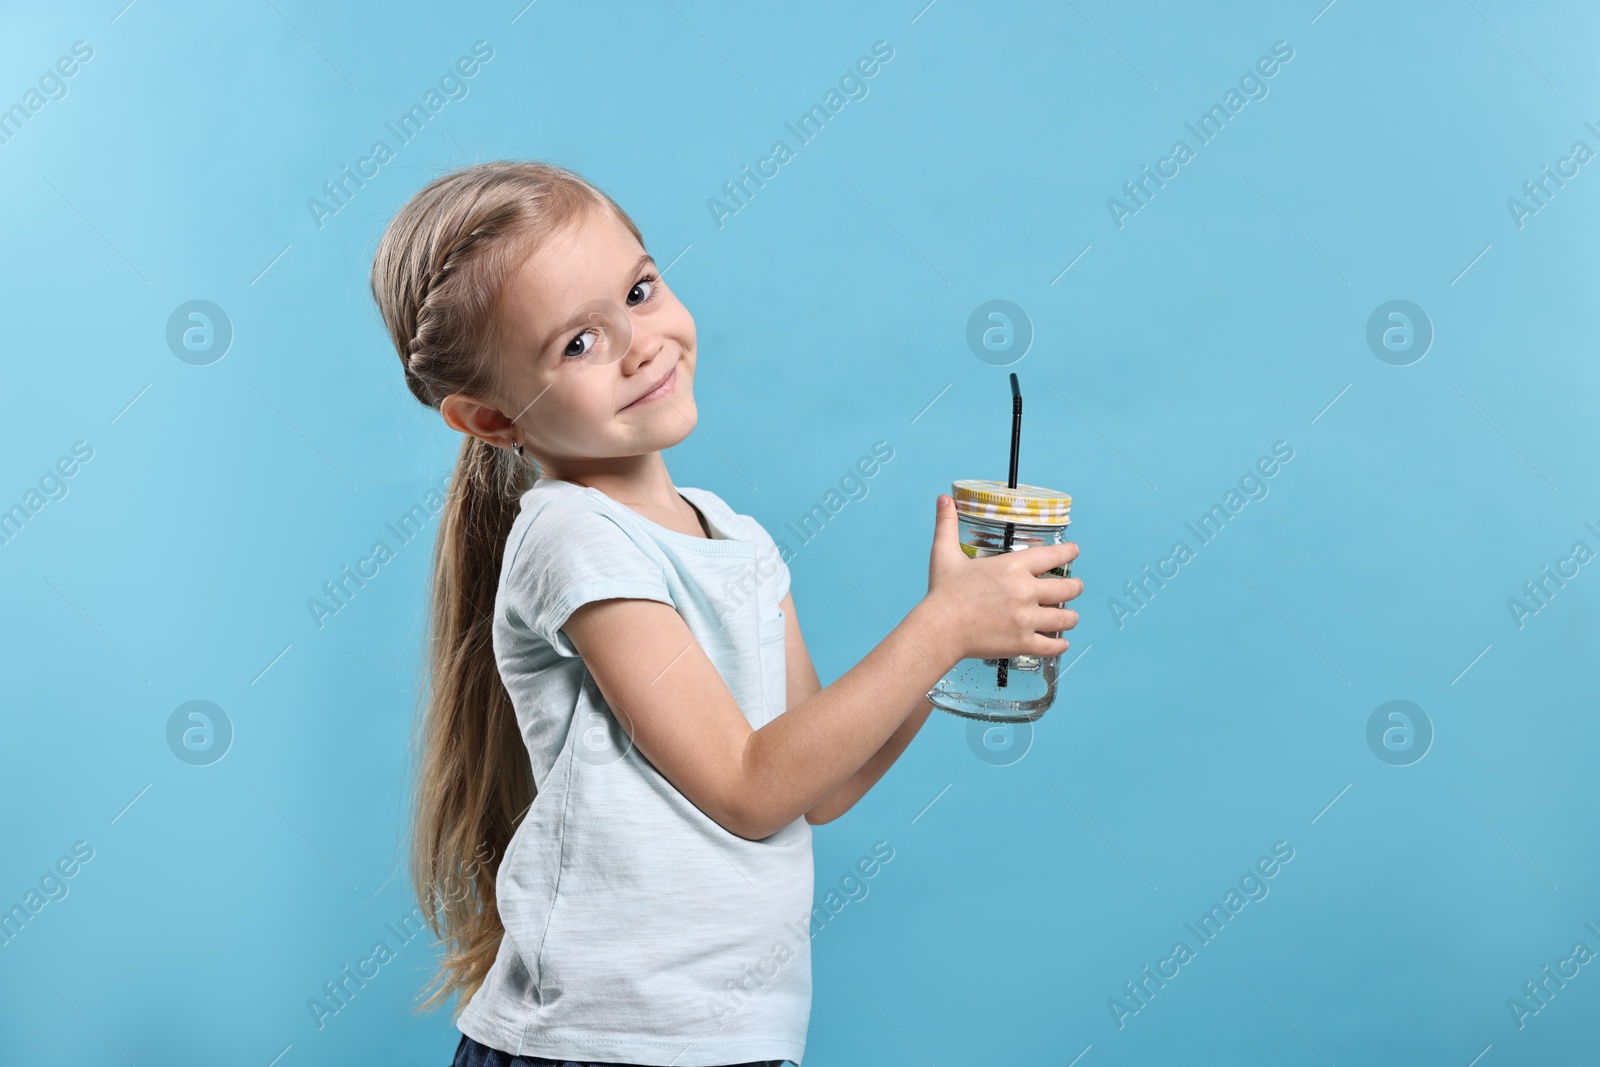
569,557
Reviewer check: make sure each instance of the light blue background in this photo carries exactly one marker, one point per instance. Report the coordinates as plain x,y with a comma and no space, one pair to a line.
1228,314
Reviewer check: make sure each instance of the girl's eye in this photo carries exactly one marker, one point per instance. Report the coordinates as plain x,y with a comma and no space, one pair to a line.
581,349
649,282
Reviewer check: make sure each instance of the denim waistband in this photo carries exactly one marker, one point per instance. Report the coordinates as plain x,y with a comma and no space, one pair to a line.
470,1053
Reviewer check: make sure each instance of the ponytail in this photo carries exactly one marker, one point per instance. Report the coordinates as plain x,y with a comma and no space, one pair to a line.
474,779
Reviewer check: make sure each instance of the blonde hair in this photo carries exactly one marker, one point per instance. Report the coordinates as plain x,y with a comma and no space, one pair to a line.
436,276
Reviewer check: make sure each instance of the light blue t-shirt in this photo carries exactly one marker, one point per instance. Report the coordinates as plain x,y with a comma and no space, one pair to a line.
638,930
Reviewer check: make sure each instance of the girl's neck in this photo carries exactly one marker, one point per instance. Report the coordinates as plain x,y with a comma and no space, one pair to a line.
641,483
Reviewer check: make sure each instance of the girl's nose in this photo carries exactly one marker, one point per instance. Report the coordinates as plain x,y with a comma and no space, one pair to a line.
644,348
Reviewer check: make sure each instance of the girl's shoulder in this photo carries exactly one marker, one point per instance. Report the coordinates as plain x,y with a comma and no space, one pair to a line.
546,504
558,520
548,494
555,509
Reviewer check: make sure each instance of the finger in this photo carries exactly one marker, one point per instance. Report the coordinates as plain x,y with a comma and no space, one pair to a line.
1044,645
1054,620
1059,590
1067,618
1041,558
946,538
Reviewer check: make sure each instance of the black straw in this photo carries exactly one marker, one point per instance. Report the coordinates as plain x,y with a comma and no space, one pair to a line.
1011,482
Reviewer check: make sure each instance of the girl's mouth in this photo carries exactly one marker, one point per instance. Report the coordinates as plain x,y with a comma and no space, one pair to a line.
661,390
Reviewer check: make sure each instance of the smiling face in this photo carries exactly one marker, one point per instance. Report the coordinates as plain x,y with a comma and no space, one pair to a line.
576,385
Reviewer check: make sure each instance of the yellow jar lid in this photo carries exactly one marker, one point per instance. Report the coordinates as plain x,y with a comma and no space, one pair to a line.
1033,505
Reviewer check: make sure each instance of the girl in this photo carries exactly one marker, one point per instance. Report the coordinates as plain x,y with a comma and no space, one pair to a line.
624,744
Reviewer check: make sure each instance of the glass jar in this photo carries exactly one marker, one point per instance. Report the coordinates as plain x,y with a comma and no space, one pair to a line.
1021,688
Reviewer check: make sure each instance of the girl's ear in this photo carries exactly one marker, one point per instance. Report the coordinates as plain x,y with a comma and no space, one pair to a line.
467,415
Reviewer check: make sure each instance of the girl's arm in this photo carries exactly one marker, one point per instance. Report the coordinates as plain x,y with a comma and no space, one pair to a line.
855,787
679,712
676,708
802,683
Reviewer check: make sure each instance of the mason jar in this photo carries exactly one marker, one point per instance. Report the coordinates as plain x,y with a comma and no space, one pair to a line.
1026,686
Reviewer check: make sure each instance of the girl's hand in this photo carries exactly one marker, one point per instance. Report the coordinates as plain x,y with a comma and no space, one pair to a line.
997,606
